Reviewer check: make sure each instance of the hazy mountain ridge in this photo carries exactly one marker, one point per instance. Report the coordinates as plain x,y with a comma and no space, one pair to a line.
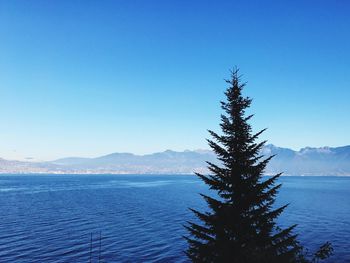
307,161
310,161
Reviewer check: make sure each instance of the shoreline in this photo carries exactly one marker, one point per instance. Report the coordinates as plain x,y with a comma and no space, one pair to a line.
150,174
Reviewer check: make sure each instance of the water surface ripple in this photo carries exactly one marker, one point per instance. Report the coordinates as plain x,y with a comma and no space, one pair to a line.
50,218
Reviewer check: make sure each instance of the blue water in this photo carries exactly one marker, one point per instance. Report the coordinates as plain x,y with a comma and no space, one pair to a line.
50,218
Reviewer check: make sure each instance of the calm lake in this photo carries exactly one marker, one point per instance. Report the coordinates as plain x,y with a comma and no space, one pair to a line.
50,218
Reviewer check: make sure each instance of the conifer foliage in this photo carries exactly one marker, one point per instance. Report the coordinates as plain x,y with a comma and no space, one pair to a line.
240,223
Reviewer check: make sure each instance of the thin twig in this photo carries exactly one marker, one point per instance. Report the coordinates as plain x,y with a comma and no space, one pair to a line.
99,252
90,246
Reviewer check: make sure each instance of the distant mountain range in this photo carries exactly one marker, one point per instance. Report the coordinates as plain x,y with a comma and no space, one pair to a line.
307,161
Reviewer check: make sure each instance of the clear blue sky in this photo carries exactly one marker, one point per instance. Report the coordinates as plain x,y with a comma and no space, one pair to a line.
85,78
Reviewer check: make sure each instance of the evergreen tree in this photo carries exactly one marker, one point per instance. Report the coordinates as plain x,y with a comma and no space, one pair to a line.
240,224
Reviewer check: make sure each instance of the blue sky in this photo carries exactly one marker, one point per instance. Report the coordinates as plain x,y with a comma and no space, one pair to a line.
86,78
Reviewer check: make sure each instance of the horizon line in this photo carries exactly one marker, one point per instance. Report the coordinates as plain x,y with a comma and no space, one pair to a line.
35,160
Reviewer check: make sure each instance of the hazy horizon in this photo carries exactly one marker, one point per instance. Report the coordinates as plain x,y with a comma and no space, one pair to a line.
31,159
